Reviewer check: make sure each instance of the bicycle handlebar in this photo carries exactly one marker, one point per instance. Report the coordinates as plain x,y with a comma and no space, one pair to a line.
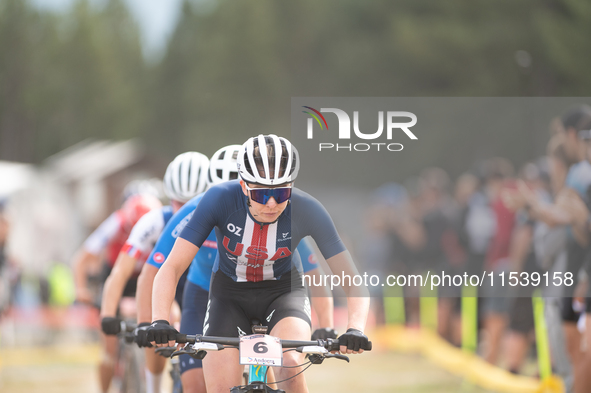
330,344
128,326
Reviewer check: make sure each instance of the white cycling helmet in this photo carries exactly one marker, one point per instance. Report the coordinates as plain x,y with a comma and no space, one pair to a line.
186,176
268,160
222,165
143,187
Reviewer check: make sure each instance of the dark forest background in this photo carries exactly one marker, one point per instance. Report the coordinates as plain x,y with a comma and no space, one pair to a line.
231,67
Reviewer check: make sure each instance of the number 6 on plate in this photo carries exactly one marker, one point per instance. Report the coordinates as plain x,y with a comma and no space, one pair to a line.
261,349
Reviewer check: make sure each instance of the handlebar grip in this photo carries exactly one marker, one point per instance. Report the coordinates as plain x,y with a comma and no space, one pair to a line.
181,338
335,346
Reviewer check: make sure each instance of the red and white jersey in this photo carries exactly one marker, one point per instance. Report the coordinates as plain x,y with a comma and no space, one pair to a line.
146,233
111,235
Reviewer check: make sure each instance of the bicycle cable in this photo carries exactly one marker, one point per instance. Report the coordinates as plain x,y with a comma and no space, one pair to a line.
299,365
293,376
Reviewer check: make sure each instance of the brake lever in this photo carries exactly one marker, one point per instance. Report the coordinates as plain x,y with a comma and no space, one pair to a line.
337,356
191,352
166,351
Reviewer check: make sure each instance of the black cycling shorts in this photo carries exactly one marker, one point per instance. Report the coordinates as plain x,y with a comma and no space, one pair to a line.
195,301
233,305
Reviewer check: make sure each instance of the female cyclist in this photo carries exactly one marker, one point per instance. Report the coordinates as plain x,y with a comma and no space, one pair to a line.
256,229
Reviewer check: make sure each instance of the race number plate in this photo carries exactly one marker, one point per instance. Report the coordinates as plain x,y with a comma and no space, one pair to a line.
261,349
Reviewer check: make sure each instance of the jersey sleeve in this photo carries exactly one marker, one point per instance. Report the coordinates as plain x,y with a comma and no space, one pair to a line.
170,233
144,234
98,240
314,220
205,217
307,255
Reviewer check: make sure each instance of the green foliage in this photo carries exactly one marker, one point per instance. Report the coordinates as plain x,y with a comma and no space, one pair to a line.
64,78
231,67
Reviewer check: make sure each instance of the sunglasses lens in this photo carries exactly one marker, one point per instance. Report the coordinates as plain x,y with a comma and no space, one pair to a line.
262,195
282,194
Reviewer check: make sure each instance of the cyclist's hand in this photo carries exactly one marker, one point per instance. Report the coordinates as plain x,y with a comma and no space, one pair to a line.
162,334
323,334
111,325
141,335
353,341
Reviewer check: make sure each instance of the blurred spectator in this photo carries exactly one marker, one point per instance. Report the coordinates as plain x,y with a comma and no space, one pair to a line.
441,250
523,259
455,244
497,177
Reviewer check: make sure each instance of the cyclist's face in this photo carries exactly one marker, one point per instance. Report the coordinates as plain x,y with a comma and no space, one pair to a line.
268,212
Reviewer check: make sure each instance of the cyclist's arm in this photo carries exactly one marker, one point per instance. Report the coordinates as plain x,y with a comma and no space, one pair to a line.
324,307
322,300
89,254
113,289
167,278
315,221
82,262
357,296
321,295
143,292
141,240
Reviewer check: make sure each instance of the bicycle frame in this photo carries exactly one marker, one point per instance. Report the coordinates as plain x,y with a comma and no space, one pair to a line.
257,373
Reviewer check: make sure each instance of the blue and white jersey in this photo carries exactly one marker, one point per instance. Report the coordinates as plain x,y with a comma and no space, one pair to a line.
200,269
253,251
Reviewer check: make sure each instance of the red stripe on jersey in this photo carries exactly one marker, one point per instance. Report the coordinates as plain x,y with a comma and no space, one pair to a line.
256,257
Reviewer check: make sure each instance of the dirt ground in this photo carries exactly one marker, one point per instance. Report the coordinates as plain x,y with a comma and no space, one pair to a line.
72,370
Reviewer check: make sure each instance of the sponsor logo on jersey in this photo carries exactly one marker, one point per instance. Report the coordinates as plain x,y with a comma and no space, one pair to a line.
159,257
312,259
234,229
255,252
181,225
285,237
